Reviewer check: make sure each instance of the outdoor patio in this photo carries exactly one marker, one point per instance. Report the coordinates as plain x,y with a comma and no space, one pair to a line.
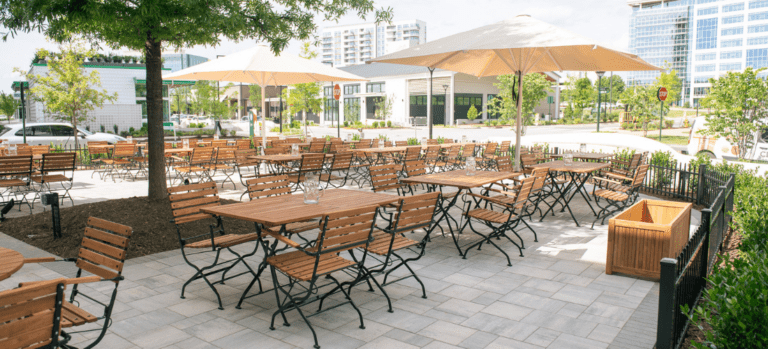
557,296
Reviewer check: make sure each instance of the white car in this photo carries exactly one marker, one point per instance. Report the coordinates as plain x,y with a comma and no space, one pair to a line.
720,148
47,133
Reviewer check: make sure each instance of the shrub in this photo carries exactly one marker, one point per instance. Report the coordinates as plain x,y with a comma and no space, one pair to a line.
131,130
389,123
413,141
346,123
233,133
440,140
124,134
663,159
356,137
116,130
102,128
668,123
472,113
375,124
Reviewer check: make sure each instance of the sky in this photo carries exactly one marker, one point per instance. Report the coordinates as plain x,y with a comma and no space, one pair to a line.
606,21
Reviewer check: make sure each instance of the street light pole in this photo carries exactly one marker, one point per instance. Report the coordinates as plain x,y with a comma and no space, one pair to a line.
599,85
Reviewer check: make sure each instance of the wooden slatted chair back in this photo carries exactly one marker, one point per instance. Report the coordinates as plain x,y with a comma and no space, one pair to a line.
27,315
95,149
104,248
412,153
490,149
276,150
433,152
193,143
263,187
526,186
243,160
58,162
16,166
341,161
375,143
335,146
540,177
23,149
401,143
317,146
365,143
467,150
346,230
415,168
243,144
528,159
447,141
225,155
415,212
219,143
640,176
40,149
98,142
312,163
384,177
202,155
124,150
453,152
503,164
504,148
187,200
432,141
168,145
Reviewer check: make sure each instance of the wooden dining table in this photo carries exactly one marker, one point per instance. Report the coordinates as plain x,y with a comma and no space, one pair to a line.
579,173
464,183
10,262
584,156
285,209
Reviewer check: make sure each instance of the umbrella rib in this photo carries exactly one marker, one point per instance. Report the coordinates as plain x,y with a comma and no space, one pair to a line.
505,60
546,50
512,55
488,64
444,59
255,79
549,53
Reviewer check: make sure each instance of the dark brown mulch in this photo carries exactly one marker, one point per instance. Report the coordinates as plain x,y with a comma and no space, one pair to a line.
693,333
153,231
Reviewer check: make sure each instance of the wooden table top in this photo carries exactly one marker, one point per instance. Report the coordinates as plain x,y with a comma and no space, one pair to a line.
575,167
381,150
112,146
278,210
459,178
10,262
282,157
585,156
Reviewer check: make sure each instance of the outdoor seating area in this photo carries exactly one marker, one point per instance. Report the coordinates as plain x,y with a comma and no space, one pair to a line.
351,243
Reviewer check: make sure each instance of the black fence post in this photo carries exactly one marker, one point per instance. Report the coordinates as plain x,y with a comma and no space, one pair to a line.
700,189
665,327
706,216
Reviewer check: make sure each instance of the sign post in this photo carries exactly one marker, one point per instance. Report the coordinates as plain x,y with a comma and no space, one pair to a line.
336,96
662,96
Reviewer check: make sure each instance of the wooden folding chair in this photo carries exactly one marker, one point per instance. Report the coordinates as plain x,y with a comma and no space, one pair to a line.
488,161
122,159
619,196
243,144
432,157
15,178
99,155
224,162
186,202
247,168
499,216
102,253
310,163
384,177
317,147
30,316
341,163
196,165
413,213
340,231
54,169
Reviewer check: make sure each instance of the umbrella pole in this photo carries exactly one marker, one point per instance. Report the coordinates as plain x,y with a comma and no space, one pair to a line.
518,122
263,119
429,106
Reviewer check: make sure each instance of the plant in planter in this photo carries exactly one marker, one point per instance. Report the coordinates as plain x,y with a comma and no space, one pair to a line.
375,124
472,113
389,124
232,133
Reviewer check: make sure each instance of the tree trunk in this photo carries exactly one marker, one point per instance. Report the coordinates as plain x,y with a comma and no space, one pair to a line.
74,130
155,151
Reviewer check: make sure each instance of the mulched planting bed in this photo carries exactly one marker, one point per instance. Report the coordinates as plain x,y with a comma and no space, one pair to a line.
153,231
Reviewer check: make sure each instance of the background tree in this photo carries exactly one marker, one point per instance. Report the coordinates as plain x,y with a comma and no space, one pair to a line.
384,107
67,91
583,94
472,113
535,88
618,88
642,103
738,108
305,97
8,105
672,82
255,97
149,25
180,96
352,111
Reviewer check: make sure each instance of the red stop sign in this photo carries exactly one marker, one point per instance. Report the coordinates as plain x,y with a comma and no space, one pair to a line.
662,94
336,92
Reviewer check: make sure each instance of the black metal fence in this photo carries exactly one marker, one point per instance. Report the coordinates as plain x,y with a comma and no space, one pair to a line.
683,278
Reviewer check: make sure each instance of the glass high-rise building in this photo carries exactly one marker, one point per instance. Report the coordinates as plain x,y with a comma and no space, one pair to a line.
179,61
660,33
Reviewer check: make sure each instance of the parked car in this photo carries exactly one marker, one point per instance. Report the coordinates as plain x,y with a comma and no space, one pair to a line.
56,133
720,148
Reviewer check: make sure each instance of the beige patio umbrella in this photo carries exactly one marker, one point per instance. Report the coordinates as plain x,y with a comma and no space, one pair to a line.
520,45
259,65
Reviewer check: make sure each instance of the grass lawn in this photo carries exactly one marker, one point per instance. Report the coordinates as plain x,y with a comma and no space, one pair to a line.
671,140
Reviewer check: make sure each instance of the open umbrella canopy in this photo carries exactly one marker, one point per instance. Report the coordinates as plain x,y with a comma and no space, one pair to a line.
521,44
259,65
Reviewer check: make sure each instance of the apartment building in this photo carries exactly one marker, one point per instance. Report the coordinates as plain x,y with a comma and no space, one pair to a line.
353,44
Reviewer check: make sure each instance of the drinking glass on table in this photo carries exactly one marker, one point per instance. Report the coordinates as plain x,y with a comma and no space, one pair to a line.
568,159
12,150
471,166
185,143
583,148
294,149
312,190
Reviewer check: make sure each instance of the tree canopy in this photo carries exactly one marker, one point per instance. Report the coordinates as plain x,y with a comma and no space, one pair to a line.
150,25
672,82
535,88
613,86
303,98
8,105
738,104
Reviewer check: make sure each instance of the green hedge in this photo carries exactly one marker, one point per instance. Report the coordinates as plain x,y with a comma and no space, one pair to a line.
736,303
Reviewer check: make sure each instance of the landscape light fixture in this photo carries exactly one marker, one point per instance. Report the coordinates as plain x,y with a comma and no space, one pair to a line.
7,208
52,199
599,83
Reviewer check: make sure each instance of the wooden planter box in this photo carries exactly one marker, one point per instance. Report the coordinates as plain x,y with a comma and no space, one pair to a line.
641,236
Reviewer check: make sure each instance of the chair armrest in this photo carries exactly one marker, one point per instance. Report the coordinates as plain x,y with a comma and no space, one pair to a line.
606,180
283,239
616,175
488,198
39,260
